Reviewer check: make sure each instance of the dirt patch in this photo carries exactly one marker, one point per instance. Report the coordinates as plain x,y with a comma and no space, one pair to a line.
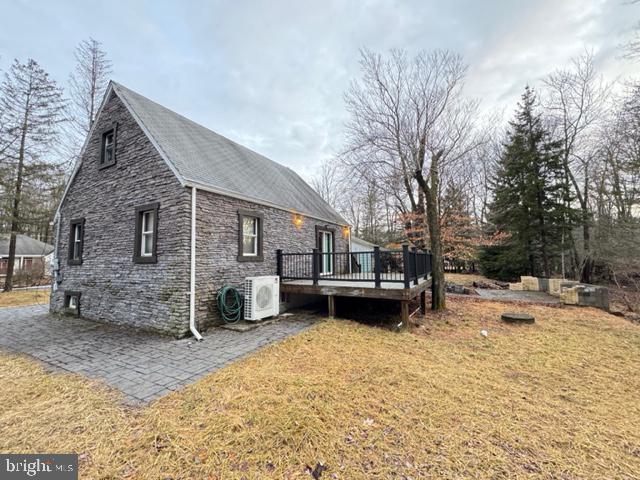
465,279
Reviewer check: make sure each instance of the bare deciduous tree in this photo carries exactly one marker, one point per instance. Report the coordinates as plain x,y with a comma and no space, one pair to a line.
575,102
87,83
410,121
632,48
327,182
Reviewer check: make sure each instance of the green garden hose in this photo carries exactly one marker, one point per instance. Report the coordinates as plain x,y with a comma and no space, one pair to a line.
229,303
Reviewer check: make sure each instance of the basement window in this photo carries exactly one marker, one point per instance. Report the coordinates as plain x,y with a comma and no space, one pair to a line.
72,303
146,237
108,148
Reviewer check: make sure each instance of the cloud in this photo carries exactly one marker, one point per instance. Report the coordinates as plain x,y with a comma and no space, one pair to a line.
271,74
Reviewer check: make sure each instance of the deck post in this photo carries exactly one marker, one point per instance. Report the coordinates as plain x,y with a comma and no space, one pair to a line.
423,302
279,263
415,266
332,305
427,265
404,314
405,265
377,265
315,266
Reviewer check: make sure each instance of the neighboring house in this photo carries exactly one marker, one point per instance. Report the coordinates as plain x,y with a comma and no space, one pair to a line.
160,212
33,257
362,254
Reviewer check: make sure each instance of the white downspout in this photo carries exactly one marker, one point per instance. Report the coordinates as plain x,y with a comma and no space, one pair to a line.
55,262
192,291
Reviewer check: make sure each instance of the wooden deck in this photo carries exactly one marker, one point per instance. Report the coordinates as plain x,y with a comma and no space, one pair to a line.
359,288
399,275
363,289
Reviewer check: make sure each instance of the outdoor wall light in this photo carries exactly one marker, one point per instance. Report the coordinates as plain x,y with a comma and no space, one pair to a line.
297,221
345,232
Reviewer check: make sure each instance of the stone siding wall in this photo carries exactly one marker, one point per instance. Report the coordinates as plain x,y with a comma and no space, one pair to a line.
113,288
217,246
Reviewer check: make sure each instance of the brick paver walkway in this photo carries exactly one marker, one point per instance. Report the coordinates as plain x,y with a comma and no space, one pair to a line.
142,365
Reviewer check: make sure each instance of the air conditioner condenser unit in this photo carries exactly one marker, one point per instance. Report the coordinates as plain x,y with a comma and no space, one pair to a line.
261,297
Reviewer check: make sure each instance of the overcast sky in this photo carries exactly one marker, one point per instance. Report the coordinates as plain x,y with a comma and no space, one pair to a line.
271,74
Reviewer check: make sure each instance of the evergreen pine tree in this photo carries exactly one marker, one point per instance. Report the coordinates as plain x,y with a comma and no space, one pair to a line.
32,109
530,199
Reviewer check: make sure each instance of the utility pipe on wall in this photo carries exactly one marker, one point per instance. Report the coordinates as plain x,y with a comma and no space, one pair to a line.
55,261
192,291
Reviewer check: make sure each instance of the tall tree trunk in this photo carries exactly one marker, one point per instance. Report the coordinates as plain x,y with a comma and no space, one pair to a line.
438,296
544,249
587,265
15,212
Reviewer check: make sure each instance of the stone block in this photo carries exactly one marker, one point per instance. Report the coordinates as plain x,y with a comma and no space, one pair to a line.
557,285
586,296
530,284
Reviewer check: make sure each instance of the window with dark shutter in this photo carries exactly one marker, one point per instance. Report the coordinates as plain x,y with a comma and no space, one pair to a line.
250,230
108,148
76,241
146,234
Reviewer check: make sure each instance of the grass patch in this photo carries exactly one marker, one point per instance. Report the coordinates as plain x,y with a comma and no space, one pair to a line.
558,399
18,298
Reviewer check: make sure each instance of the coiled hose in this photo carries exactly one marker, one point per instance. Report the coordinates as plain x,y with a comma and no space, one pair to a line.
229,303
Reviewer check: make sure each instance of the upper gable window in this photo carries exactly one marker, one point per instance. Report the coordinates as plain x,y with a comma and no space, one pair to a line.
108,148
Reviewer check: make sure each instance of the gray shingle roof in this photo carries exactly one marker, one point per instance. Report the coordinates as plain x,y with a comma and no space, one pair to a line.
202,156
26,246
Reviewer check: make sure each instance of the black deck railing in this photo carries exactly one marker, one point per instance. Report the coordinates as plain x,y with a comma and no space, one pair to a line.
407,266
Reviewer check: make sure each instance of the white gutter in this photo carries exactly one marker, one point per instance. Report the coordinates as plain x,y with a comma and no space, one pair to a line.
192,291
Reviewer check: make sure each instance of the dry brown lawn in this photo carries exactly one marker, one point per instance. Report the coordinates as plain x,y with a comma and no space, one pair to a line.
558,399
24,297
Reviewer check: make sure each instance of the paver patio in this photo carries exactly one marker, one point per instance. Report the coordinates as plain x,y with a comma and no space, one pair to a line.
144,366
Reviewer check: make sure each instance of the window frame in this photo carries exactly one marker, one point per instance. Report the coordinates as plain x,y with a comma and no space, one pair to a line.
73,224
258,256
68,294
105,133
138,256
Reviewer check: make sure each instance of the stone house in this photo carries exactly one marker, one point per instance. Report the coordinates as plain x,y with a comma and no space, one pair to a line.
160,212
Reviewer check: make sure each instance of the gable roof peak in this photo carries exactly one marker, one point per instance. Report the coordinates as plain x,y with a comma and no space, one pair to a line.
198,155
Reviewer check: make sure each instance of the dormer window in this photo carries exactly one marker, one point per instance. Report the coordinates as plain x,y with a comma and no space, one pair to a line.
108,149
